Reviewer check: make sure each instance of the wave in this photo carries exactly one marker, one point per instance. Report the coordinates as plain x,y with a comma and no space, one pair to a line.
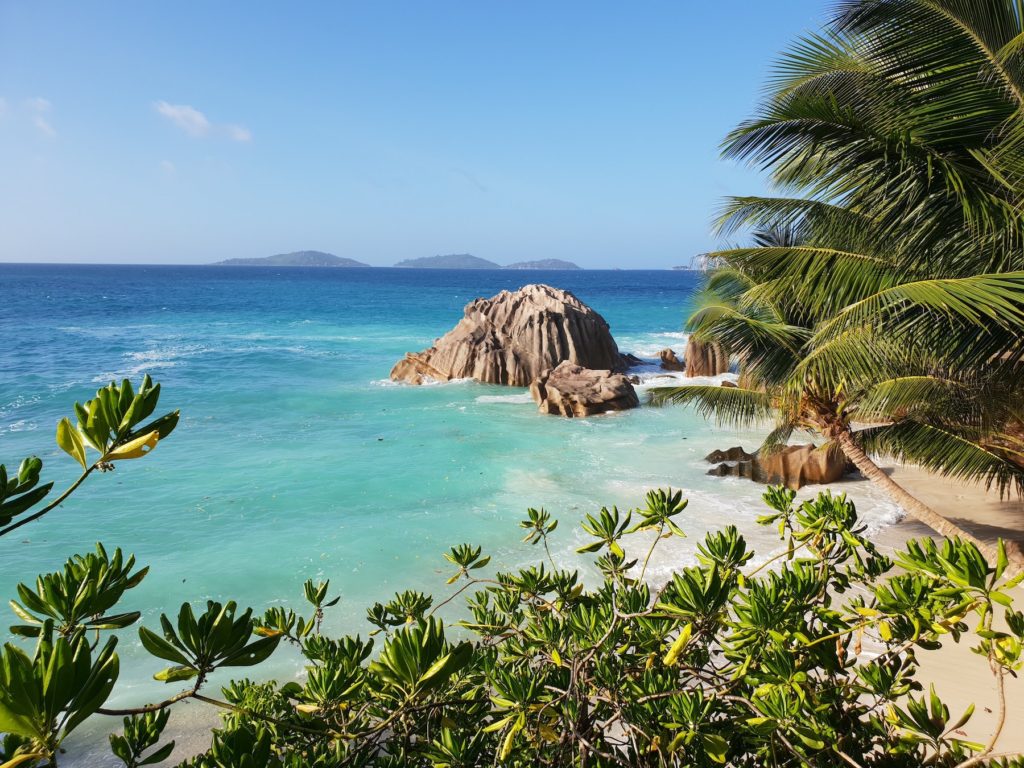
649,379
519,397
647,346
427,382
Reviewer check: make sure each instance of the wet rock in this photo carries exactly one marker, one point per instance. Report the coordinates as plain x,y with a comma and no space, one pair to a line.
571,390
705,359
793,466
513,337
736,453
669,361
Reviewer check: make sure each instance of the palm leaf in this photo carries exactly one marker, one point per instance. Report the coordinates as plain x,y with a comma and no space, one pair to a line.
944,452
732,406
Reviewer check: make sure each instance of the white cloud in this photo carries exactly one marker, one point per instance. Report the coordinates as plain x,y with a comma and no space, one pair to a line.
196,124
189,119
38,104
168,167
40,107
44,126
238,132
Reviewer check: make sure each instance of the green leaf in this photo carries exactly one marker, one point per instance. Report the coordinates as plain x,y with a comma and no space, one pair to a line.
678,646
715,746
71,442
160,647
254,653
176,674
160,755
809,737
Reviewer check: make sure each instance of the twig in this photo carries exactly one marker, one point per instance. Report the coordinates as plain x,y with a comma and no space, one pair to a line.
986,754
50,506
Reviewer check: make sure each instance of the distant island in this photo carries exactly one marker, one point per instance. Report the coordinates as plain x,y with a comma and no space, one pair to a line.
448,261
544,264
451,261
467,261
295,259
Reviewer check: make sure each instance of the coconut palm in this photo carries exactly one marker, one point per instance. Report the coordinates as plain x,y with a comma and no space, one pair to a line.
866,393
883,308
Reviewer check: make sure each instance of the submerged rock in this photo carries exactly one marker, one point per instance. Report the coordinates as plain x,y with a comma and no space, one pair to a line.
793,466
736,453
512,338
571,390
705,359
669,361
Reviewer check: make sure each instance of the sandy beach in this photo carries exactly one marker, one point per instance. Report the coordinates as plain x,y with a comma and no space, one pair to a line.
960,676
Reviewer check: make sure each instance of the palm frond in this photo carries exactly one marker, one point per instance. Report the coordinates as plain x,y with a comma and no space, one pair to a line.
767,347
732,406
943,451
915,396
981,303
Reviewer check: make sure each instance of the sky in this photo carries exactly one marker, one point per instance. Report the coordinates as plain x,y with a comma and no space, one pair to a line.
190,132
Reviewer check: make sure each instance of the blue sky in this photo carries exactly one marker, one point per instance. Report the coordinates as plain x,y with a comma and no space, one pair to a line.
189,132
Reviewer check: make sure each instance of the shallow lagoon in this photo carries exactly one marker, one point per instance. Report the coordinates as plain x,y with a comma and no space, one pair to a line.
297,459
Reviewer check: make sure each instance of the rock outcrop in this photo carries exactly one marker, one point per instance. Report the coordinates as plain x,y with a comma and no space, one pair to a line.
736,453
793,466
512,338
669,361
705,359
571,390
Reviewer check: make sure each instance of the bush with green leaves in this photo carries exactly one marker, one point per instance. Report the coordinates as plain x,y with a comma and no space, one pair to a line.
808,657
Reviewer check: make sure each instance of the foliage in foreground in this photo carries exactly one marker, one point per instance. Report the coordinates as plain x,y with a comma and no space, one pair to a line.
809,658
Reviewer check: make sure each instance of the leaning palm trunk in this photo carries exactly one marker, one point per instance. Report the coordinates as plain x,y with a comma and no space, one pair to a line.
912,505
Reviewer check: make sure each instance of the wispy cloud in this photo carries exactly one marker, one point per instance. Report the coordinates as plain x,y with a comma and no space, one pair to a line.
39,109
238,132
189,119
196,124
168,167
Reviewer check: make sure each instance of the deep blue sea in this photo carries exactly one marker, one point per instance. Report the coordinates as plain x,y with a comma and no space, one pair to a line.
296,458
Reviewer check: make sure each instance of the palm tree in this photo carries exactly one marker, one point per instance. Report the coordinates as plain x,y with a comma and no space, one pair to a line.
863,392
882,306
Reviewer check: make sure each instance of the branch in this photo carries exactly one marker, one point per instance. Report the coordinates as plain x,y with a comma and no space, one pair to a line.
986,754
48,507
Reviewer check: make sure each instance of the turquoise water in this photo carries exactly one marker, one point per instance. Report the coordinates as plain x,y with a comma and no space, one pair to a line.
297,459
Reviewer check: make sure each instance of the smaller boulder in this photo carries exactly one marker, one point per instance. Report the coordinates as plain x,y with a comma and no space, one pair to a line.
736,453
669,361
793,466
571,390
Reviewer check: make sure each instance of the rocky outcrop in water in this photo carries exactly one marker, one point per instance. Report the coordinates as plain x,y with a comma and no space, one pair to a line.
705,359
571,390
669,361
793,466
513,338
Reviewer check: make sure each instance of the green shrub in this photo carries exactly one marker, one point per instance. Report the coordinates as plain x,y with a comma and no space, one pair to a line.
727,663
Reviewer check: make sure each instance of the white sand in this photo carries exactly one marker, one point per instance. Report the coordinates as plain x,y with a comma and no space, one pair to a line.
960,676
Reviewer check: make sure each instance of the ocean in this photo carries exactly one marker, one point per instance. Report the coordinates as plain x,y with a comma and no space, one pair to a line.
297,458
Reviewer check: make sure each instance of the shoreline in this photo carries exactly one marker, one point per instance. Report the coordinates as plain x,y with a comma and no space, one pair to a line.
960,676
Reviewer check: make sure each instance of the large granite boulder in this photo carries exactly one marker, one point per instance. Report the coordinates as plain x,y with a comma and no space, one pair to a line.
793,466
669,361
513,337
705,359
571,390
